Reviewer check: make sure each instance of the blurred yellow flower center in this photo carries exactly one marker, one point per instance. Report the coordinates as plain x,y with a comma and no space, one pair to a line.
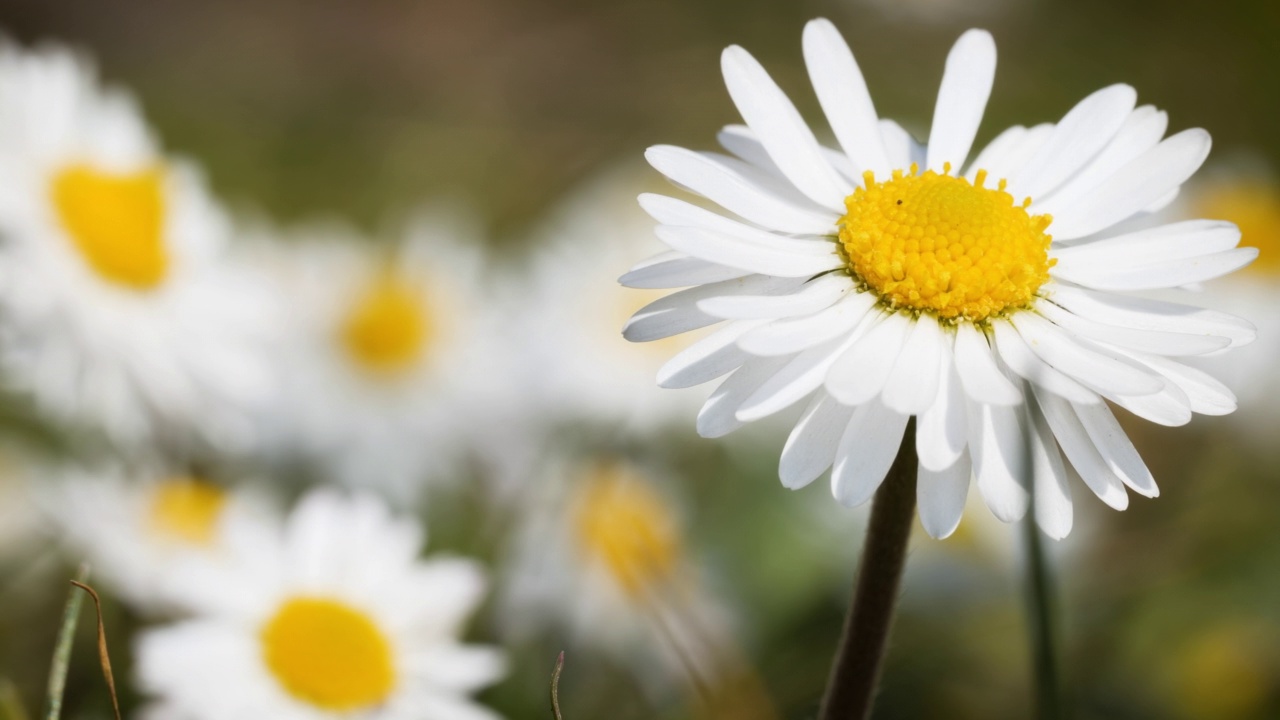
1222,674
628,527
930,242
328,654
387,328
116,222
187,510
1254,206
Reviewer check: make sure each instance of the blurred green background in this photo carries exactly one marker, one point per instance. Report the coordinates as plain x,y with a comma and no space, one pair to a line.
362,109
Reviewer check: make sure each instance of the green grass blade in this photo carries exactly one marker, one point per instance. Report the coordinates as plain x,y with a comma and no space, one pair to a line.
62,651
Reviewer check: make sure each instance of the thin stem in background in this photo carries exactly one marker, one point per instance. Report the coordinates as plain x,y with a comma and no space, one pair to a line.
62,651
856,672
555,687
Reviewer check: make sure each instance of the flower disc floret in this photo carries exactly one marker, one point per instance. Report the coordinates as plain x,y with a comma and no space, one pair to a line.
935,243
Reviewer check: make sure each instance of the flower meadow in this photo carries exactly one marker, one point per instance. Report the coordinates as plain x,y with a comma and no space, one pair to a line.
446,361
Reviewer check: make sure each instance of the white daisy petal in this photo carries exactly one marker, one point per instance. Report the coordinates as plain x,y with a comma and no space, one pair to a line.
1177,241
1115,448
866,452
861,372
1080,450
941,495
811,447
1084,131
679,213
1138,184
737,194
1170,407
1020,358
742,142
940,430
996,449
678,312
1206,395
781,257
999,148
1160,343
707,359
1081,362
1013,153
791,335
436,706
718,415
1052,496
842,92
778,125
913,383
1141,131
814,296
655,322
676,270
900,147
1162,274
1163,201
981,379
962,99
1126,311
801,376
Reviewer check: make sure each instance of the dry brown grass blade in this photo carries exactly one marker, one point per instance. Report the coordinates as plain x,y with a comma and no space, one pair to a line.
555,686
103,657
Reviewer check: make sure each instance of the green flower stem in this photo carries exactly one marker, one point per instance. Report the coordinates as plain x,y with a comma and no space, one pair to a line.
1048,692
856,671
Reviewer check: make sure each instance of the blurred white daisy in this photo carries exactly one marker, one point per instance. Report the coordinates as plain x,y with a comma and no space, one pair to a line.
335,617
985,298
135,528
1249,198
602,555
117,311
575,366
386,351
20,526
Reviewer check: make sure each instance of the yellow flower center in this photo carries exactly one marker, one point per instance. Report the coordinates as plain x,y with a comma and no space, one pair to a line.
186,510
328,654
387,328
116,222
1254,206
624,524
930,242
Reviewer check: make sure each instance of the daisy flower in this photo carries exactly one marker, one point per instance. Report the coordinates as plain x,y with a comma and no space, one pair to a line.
116,310
135,528
602,554
386,352
333,617
575,367
989,298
